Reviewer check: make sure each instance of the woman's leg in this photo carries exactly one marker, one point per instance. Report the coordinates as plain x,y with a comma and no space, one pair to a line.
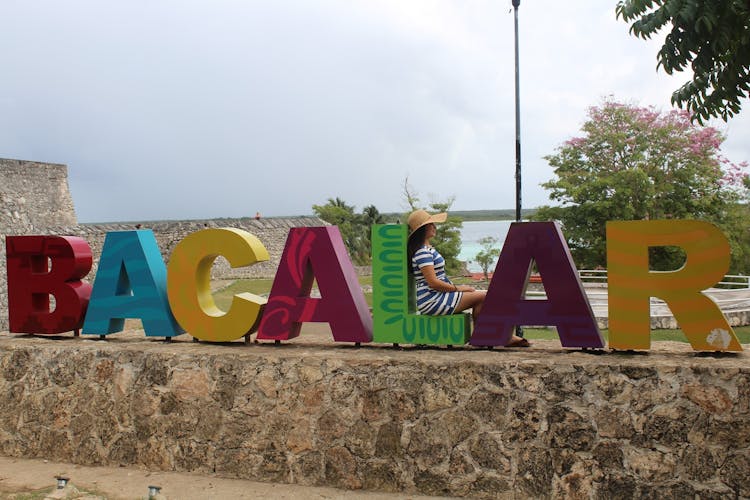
473,300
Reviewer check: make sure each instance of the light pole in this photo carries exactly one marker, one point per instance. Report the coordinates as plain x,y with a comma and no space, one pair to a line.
516,3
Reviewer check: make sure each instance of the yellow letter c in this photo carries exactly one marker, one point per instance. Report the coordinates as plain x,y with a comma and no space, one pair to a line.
189,284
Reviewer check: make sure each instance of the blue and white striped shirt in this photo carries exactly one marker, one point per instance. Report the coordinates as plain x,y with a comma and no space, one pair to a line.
429,301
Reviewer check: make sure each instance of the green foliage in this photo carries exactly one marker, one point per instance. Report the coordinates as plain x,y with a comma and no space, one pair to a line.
370,216
634,163
448,238
709,37
488,254
734,224
354,228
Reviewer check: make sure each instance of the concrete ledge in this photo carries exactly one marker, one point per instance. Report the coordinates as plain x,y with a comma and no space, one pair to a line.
505,423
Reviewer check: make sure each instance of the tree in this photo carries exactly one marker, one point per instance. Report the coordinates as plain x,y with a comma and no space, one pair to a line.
488,254
351,226
448,238
634,163
371,215
410,196
447,241
712,37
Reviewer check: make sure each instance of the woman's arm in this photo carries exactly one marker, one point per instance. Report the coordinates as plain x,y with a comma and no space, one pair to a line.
441,286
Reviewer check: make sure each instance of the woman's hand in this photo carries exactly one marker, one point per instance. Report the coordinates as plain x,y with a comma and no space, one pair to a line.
441,286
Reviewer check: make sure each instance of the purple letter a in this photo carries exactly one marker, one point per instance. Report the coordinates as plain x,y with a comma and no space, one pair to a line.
566,307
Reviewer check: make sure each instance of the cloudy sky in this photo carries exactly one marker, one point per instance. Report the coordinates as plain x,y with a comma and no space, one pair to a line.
176,109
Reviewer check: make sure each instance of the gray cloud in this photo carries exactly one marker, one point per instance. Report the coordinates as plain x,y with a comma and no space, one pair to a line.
176,109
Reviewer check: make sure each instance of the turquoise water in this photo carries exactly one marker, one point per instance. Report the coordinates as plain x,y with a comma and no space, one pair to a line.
472,232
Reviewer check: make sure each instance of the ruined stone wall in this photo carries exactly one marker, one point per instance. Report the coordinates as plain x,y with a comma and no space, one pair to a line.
272,232
536,423
33,197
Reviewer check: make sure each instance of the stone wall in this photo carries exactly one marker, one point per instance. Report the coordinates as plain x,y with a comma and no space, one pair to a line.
537,423
33,197
272,232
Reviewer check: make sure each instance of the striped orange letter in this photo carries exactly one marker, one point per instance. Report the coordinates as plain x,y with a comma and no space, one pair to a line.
631,284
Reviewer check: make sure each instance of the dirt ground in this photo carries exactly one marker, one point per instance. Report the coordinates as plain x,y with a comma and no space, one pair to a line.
32,478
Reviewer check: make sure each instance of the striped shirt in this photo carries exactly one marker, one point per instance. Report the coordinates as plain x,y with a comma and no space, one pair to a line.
429,301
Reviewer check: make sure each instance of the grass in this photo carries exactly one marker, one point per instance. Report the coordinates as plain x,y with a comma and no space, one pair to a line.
742,332
43,493
262,287
28,495
224,296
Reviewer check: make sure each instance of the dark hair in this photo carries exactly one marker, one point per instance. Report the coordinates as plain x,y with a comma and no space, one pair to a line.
416,241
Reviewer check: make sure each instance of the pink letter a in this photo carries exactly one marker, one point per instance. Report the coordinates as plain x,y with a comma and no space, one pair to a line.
316,253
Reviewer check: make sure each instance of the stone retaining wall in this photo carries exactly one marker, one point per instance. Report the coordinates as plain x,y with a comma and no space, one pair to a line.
531,423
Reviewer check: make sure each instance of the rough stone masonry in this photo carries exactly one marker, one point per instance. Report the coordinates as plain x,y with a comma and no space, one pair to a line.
534,423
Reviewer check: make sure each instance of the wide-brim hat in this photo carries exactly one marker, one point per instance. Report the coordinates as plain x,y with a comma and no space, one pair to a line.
419,218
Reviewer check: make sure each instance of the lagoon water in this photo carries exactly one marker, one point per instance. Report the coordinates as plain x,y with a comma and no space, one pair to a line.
473,231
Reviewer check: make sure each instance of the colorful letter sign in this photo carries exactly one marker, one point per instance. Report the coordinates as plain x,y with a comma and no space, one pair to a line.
631,284
189,284
131,282
393,306
31,281
316,253
566,307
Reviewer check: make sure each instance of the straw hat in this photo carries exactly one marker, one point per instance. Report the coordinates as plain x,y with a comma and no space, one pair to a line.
419,218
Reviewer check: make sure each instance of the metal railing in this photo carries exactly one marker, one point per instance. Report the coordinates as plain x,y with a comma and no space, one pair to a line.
721,293
730,281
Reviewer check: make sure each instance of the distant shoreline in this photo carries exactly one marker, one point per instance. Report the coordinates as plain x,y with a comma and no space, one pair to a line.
480,215
466,216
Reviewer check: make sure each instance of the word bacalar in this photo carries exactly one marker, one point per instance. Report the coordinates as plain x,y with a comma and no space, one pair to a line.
132,281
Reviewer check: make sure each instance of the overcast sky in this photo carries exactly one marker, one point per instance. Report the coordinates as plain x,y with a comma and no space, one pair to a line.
177,109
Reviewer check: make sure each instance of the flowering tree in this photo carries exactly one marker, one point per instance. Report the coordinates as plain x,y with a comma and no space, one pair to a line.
635,163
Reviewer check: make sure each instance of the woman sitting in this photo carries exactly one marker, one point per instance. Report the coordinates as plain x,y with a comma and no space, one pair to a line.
436,295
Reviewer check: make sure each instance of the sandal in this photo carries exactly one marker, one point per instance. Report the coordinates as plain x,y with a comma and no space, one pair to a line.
519,342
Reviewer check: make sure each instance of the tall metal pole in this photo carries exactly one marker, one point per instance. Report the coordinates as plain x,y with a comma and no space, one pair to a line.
516,3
